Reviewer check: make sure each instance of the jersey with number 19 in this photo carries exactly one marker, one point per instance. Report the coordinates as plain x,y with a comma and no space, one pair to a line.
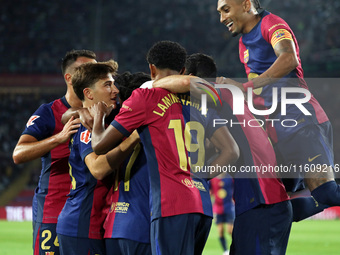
157,114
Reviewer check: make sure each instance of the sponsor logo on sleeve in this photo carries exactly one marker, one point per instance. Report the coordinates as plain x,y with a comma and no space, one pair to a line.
30,122
85,137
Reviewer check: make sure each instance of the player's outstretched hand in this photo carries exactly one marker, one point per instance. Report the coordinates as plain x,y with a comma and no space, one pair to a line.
70,128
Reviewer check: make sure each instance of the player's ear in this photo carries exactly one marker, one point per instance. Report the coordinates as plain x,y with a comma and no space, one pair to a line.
182,71
68,78
88,93
153,71
247,5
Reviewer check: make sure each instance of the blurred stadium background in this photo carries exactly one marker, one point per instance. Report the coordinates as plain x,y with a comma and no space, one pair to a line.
34,36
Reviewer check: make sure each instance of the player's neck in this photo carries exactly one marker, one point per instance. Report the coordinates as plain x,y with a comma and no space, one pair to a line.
251,23
72,99
164,73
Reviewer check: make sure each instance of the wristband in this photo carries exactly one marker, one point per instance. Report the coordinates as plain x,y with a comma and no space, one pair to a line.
248,84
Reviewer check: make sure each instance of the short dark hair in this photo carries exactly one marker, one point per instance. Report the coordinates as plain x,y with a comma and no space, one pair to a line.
127,82
167,55
73,55
201,65
86,75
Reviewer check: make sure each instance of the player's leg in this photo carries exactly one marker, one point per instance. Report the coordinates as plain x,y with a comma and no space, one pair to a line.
202,232
220,220
75,245
310,154
174,235
120,246
262,230
45,239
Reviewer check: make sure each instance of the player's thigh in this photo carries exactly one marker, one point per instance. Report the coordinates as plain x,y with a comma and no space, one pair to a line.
120,246
262,230
309,149
177,234
76,246
45,239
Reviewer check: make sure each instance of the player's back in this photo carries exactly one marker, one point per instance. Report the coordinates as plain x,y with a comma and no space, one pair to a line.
54,182
129,200
252,185
157,114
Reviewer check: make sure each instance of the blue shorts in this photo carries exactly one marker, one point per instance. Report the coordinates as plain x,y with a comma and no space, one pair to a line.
70,245
180,234
308,148
45,238
227,217
262,230
120,246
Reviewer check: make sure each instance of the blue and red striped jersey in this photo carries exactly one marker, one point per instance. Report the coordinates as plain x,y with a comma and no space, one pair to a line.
222,189
251,188
129,215
256,51
157,114
54,182
86,206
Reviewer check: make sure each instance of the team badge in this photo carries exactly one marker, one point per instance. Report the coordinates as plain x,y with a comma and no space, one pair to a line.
246,56
85,137
30,122
187,182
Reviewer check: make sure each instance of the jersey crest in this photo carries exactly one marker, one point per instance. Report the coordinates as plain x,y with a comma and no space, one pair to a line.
246,56
85,137
30,122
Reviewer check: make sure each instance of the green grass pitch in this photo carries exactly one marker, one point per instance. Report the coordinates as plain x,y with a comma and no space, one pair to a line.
309,237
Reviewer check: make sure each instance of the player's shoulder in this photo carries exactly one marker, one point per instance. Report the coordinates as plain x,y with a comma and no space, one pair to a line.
271,22
143,92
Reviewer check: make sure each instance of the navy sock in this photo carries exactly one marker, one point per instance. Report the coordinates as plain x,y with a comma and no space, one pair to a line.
223,243
304,207
327,193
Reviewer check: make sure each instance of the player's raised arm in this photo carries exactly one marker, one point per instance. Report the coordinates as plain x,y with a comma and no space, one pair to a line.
174,83
286,62
29,148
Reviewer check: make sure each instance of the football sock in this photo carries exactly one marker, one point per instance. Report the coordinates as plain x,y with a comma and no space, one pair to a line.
223,243
327,193
304,207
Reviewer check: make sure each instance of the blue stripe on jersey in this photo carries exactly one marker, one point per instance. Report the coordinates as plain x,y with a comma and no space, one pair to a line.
155,196
120,128
85,208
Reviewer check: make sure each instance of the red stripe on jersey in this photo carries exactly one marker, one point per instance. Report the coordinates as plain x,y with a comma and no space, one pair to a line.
243,56
37,243
99,211
110,218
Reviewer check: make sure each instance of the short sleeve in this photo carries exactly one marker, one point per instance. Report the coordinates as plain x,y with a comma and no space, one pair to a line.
275,29
41,124
132,114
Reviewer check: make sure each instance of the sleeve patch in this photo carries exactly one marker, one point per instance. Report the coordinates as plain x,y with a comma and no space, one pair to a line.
279,35
30,122
85,137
